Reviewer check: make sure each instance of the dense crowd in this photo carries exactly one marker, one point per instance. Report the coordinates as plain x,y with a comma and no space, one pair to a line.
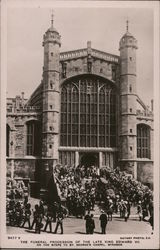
115,192
16,189
126,191
79,193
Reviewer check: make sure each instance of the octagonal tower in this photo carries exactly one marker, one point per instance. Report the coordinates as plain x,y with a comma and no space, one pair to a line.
128,95
51,101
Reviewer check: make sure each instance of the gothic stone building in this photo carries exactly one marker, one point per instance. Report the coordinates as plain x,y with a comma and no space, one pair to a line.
85,111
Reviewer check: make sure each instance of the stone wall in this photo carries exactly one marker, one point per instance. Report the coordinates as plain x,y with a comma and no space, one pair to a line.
79,66
18,131
24,168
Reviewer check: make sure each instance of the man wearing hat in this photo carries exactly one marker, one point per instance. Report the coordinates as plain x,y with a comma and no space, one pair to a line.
103,221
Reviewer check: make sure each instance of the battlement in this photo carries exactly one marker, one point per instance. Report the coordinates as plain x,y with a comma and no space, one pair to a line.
83,53
144,114
26,109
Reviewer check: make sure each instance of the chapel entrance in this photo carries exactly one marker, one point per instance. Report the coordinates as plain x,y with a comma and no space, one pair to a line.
89,159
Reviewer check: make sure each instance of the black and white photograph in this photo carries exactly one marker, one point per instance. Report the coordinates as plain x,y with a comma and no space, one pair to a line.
80,167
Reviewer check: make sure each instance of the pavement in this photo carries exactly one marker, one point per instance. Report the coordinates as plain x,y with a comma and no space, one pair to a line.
77,226
74,225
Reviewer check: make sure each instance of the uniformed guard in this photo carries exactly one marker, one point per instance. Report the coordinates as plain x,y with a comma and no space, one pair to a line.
35,216
59,222
49,219
18,214
27,215
11,212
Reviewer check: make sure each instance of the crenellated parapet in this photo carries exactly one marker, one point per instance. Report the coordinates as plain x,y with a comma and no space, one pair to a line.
145,115
83,53
89,60
27,110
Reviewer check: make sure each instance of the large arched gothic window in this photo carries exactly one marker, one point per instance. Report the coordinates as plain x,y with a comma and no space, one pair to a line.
88,113
143,141
33,138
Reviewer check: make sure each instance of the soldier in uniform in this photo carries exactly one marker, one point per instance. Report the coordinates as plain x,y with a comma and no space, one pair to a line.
27,215
49,219
18,214
41,209
11,212
35,215
59,222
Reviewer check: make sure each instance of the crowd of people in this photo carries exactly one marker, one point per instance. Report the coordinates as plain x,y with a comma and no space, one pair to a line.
16,189
126,191
114,192
79,193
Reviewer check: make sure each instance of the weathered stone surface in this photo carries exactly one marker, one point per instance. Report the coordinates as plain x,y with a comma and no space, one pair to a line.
59,67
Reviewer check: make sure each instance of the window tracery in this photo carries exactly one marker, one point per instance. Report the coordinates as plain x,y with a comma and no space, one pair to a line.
143,141
88,113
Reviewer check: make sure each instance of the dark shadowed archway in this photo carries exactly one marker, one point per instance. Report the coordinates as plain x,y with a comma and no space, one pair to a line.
89,159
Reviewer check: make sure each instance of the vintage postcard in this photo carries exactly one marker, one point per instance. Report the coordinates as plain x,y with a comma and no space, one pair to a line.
79,124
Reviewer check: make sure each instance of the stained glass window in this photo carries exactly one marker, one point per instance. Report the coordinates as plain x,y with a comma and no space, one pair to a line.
33,138
143,141
88,112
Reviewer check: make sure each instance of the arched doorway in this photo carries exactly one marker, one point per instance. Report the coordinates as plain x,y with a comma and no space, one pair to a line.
89,159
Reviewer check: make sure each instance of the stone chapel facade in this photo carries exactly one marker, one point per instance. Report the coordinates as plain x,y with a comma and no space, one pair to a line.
86,110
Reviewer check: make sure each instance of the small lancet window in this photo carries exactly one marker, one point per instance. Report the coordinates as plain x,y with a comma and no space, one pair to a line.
130,88
89,63
51,84
113,73
64,69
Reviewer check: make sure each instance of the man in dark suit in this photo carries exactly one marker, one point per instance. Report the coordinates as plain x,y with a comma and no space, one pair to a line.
103,221
87,218
91,224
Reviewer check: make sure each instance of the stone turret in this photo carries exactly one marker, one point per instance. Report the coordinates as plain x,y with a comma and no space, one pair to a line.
127,133
51,101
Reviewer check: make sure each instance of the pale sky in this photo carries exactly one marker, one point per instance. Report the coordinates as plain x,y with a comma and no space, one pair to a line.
102,26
